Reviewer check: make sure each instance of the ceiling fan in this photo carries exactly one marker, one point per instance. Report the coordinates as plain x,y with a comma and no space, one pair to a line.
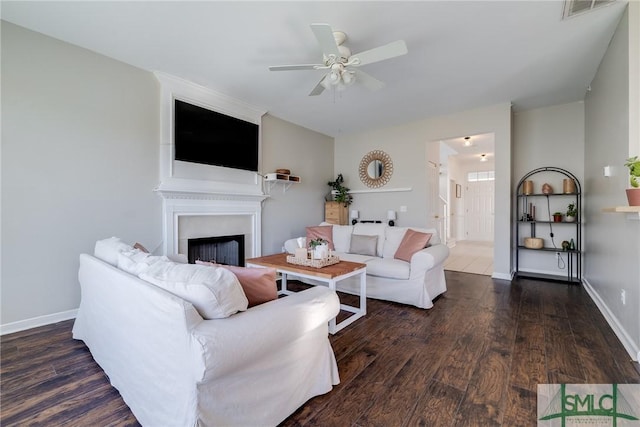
341,64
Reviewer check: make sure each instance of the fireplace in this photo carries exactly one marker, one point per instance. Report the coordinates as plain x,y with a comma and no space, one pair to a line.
228,250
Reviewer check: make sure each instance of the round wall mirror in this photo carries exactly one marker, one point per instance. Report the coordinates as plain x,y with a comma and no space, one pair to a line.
375,169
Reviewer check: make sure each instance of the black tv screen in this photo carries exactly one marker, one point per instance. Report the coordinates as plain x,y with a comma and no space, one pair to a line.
211,138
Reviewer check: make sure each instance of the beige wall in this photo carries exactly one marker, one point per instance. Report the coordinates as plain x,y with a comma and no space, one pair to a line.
307,154
551,136
613,241
411,146
79,161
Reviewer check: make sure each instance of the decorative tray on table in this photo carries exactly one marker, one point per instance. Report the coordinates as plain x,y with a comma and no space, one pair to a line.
317,263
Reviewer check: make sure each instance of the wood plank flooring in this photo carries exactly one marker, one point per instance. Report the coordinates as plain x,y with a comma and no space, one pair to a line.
474,359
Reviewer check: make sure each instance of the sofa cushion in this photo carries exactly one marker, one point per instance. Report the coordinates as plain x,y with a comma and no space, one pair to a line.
412,242
393,237
363,259
389,268
342,237
372,230
363,245
108,249
321,232
137,261
259,284
215,292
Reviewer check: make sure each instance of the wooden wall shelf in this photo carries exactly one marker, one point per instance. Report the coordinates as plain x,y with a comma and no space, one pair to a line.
633,212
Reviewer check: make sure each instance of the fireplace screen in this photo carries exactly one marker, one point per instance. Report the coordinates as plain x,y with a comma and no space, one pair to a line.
227,250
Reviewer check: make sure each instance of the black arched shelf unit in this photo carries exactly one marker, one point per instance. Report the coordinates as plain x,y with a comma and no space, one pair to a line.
531,221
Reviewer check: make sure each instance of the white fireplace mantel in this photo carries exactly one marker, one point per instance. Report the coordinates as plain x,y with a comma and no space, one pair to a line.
202,190
177,204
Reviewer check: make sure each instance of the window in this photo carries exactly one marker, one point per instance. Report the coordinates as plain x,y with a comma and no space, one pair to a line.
481,176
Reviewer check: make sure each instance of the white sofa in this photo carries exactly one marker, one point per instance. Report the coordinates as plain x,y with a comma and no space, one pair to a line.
173,368
416,283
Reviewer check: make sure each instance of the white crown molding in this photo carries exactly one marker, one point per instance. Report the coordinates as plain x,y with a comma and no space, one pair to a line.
176,87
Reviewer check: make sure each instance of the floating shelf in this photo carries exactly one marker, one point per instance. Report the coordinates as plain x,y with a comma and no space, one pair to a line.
285,180
633,212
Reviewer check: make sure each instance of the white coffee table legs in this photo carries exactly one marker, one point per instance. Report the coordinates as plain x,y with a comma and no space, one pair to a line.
358,312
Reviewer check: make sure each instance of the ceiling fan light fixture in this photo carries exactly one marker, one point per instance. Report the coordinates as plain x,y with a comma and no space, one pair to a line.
348,77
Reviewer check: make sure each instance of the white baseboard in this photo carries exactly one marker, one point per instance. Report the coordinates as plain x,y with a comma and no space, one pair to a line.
34,322
502,276
631,347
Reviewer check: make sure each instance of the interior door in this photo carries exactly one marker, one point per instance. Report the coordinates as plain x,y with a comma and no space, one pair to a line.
435,207
479,206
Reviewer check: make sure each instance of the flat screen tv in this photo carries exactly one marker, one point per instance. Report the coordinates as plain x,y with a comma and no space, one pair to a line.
211,138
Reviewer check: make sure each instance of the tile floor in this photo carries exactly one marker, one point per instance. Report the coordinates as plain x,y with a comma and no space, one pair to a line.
471,257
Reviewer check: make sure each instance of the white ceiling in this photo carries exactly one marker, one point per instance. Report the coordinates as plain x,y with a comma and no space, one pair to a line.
480,144
462,54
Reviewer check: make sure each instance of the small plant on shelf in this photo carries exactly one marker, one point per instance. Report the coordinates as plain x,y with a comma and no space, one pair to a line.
572,212
341,192
557,216
634,171
633,193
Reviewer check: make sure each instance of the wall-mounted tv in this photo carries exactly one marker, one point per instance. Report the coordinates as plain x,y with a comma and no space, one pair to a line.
211,138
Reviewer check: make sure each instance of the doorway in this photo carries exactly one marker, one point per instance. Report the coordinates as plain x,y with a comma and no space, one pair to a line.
467,190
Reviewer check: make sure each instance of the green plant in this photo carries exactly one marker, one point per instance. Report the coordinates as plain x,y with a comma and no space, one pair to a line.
342,193
317,242
557,214
634,171
571,210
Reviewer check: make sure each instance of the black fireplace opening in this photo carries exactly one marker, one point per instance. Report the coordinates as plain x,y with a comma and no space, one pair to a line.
228,250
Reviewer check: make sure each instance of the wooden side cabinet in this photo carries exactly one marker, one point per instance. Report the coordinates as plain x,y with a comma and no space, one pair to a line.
336,213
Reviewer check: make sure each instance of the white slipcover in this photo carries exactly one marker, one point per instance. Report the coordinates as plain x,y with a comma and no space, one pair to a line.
175,369
416,283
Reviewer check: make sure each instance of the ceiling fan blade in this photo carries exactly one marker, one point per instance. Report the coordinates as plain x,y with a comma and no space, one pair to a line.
295,67
368,81
324,35
318,89
381,53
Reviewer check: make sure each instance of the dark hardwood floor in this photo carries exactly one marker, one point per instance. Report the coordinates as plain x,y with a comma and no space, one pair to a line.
474,359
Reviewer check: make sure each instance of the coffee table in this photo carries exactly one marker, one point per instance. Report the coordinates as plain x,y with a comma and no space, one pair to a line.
330,275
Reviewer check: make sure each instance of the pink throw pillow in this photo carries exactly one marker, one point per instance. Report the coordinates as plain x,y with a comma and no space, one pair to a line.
321,231
258,284
412,242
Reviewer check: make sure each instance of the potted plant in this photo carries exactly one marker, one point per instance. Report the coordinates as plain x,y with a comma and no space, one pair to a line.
341,192
633,194
572,212
557,217
320,248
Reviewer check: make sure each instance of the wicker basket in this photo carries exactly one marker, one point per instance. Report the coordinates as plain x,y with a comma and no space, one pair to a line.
317,263
533,242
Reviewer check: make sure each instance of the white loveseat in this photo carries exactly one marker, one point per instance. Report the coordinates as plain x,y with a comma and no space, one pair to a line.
416,283
174,368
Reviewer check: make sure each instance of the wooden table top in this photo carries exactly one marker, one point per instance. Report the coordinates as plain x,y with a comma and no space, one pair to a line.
279,262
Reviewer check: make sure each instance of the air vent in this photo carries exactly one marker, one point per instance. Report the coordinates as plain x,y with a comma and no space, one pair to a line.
578,7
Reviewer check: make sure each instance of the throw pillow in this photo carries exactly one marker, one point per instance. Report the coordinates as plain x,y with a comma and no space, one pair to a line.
412,242
321,231
136,261
363,245
258,284
108,249
138,245
214,292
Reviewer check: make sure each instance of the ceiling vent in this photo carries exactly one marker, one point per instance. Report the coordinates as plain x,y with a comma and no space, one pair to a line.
578,7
